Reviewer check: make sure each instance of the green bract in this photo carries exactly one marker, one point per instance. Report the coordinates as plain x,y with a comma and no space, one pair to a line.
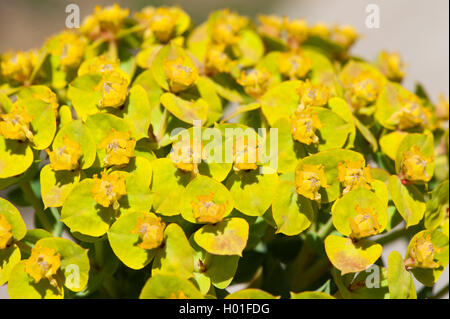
232,159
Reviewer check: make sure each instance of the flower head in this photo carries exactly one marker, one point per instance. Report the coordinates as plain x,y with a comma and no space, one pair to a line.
107,20
187,154
391,65
150,230
365,223
15,125
294,64
207,211
320,29
353,175
412,114
178,295
414,165
226,26
442,108
422,253
304,124
255,81
119,148
309,179
364,88
65,157
99,65
180,75
18,66
109,189
312,94
245,155
160,22
292,32
69,46
43,263
344,35
217,61
5,232
114,88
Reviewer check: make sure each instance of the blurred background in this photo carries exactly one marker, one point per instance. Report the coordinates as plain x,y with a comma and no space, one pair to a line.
418,29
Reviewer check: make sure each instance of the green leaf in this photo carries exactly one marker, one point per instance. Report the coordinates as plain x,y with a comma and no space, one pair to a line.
390,142
401,284
252,191
15,157
85,99
425,142
311,295
203,186
169,287
14,218
229,237
436,206
292,213
184,110
81,212
57,185
9,258
251,293
124,242
250,47
350,257
408,200
176,256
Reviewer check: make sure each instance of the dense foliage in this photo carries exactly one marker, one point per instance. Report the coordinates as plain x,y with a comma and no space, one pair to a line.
86,140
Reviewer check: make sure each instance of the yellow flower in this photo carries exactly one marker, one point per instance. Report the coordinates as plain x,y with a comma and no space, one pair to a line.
353,175
320,30
294,64
178,295
344,35
365,223
119,148
297,30
422,253
206,211
99,64
442,108
245,155
255,81
180,75
309,179
43,263
217,61
364,88
18,66
226,26
65,157
114,86
69,46
15,125
271,25
291,32
5,232
412,114
391,65
312,94
304,124
414,165
151,232
109,189
160,21
107,20
186,155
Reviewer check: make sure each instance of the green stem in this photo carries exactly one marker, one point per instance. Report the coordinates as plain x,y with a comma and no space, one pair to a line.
392,236
98,246
59,225
326,229
313,273
441,293
37,205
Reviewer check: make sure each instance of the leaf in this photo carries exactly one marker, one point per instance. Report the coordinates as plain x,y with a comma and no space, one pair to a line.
366,133
408,200
310,295
13,218
78,132
85,99
176,256
292,213
184,110
401,284
9,258
169,287
345,208
15,157
330,160
425,142
57,185
229,237
124,242
203,186
437,206
74,261
280,101
251,47
252,191
351,257
168,186
389,143
251,293
81,212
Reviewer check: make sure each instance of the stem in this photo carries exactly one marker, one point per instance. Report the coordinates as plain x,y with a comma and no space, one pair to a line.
392,236
441,293
312,274
59,225
326,229
37,205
